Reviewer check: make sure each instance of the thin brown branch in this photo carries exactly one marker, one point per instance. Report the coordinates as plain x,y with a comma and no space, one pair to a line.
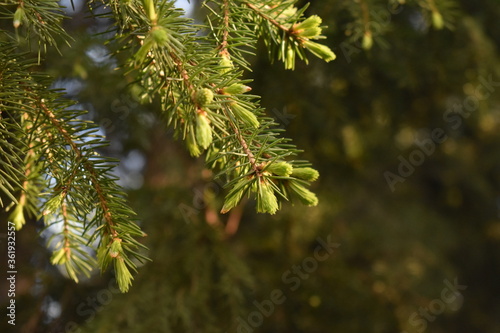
225,33
268,18
61,129
103,202
184,73
29,160
187,81
102,199
27,173
243,143
66,231
185,77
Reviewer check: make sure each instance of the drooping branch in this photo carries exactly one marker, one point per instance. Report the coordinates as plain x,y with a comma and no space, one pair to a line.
244,145
103,202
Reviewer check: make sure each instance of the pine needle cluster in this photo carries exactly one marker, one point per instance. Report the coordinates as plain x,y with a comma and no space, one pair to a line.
51,168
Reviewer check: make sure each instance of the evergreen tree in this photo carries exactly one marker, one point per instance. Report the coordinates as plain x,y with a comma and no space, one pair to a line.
198,81
404,69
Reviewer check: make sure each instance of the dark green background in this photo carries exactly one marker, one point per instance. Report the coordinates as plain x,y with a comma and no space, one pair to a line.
356,118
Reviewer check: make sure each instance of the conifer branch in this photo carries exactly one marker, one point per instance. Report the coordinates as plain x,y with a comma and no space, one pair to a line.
103,202
251,157
23,196
198,79
259,12
223,52
291,34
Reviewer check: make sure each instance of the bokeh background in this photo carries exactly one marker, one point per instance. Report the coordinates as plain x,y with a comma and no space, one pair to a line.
403,243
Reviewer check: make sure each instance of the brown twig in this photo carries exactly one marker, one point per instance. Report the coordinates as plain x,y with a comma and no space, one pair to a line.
187,81
270,19
225,33
103,201
243,143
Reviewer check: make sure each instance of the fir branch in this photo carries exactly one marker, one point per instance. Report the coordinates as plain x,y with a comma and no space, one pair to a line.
251,158
223,52
59,161
103,201
280,26
23,196
290,37
117,230
202,96
41,20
